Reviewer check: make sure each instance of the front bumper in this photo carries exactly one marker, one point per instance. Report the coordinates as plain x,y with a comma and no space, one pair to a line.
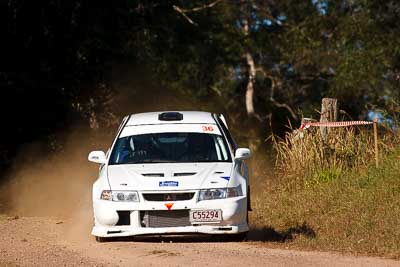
234,217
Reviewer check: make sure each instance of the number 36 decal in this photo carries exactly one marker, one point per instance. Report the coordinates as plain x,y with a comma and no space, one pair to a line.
207,128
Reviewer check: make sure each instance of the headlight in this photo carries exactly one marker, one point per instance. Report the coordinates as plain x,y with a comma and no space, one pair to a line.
220,193
124,196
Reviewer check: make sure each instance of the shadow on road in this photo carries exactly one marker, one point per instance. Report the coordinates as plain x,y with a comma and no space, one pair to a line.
266,234
269,234
195,238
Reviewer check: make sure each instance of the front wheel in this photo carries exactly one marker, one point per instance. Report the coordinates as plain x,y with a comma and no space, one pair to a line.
240,237
101,239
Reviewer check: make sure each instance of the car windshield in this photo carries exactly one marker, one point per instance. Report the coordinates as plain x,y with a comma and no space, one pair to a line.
170,147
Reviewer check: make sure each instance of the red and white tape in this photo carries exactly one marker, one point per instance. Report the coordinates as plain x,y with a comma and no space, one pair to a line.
334,124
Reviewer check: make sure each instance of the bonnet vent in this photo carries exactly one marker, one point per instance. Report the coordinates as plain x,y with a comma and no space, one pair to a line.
184,173
153,174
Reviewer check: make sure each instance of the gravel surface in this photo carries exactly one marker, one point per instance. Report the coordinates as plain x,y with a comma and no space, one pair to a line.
41,241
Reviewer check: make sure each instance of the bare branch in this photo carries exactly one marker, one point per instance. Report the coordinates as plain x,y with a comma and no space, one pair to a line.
183,11
179,10
280,105
196,9
271,96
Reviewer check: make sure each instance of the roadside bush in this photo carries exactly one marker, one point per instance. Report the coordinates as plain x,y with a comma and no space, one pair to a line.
304,159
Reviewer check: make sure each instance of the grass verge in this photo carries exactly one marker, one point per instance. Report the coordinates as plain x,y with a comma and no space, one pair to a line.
355,209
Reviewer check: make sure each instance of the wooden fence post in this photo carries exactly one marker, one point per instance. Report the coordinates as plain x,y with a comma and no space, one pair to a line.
329,112
376,142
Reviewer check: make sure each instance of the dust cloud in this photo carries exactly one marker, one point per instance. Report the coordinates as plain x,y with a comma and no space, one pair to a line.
56,185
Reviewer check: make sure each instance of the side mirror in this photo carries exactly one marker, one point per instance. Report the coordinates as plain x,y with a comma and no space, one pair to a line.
97,157
242,153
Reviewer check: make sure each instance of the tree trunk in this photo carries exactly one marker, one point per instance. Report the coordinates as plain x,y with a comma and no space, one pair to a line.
329,112
252,73
250,85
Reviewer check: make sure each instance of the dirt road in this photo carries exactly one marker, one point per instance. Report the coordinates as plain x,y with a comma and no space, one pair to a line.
39,241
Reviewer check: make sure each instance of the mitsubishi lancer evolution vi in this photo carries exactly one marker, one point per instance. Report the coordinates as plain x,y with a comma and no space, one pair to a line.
170,173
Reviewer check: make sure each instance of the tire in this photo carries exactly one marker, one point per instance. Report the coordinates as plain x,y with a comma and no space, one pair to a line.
241,237
101,239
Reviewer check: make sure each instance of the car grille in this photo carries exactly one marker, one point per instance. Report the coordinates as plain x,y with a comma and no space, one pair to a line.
165,218
168,196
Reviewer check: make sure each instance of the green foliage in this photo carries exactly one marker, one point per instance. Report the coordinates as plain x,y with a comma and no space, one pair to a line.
322,176
349,51
344,52
346,49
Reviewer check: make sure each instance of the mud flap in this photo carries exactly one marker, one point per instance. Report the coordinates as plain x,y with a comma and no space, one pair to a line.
249,199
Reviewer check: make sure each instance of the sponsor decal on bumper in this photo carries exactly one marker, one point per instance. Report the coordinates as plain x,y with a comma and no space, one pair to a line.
168,183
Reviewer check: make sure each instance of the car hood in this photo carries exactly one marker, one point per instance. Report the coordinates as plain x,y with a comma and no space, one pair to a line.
169,176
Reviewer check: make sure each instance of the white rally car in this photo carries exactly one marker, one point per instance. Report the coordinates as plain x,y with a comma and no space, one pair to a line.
171,173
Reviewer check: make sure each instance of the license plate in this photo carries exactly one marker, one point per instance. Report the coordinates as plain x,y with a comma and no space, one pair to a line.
205,216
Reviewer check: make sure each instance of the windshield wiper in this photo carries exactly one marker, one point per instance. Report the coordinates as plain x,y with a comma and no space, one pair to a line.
157,161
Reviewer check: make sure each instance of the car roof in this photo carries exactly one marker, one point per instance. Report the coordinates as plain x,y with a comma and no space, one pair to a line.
149,118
